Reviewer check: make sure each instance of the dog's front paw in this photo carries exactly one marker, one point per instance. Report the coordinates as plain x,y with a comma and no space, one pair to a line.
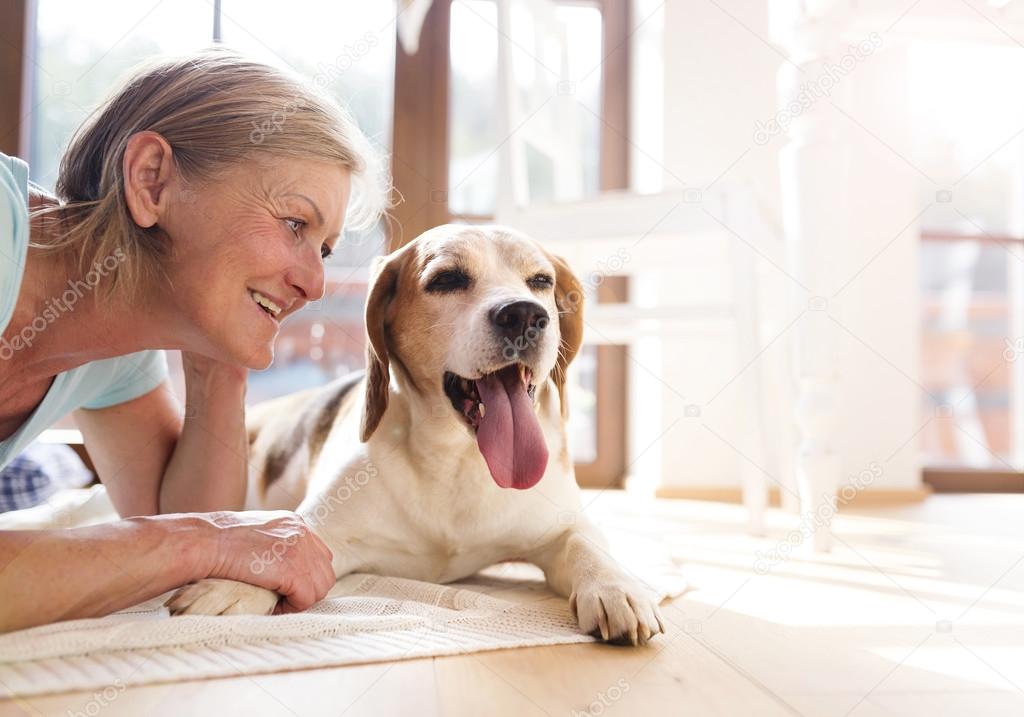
222,597
617,610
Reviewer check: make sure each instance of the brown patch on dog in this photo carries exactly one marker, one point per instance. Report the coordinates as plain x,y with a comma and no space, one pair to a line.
569,301
383,302
306,419
327,412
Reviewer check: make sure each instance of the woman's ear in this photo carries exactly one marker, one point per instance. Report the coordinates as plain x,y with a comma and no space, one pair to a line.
569,302
383,288
148,167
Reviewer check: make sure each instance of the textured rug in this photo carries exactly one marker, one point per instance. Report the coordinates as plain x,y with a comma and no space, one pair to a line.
366,618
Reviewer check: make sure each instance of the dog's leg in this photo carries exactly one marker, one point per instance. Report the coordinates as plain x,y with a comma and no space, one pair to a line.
214,596
605,600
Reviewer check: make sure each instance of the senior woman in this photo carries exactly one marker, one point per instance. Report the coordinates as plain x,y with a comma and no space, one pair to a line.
193,212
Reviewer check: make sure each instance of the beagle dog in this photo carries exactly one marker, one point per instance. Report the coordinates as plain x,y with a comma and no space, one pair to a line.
452,453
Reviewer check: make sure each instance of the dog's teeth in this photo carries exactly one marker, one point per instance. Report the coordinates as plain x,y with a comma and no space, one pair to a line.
480,407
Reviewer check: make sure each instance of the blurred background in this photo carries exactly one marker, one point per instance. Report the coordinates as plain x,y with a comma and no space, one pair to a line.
800,224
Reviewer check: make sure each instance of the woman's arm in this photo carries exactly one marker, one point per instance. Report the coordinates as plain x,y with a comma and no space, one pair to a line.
49,575
152,461
209,468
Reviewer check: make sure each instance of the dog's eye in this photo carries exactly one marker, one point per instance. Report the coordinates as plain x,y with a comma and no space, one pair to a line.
540,281
451,280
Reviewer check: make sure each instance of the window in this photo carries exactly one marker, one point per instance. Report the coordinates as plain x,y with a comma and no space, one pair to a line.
559,52
81,55
555,102
349,52
972,254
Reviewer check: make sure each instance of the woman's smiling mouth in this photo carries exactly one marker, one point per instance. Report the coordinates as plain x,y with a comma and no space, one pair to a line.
267,305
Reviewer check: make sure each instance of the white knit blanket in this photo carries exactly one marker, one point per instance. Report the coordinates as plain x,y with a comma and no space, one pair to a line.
365,618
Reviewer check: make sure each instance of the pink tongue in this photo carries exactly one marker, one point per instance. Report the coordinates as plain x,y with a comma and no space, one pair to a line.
509,434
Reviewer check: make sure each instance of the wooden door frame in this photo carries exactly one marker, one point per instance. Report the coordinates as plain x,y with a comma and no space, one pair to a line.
16,47
419,138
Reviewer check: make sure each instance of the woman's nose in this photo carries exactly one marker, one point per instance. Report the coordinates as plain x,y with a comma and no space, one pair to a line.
307,278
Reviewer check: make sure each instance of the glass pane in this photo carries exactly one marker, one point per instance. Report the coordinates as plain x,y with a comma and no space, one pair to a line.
473,129
555,58
584,406
647,96
966,134
582,24
82,54
347,49
966,324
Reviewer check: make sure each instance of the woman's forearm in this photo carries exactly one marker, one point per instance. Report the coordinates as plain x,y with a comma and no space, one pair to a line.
208,469
49,575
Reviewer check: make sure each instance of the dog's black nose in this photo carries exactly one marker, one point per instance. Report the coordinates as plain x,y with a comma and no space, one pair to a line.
518,319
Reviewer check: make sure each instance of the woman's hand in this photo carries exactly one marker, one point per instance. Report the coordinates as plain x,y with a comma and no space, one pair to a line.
276,550
200,368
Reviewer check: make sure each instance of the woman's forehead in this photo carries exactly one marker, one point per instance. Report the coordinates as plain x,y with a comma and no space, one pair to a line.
321,187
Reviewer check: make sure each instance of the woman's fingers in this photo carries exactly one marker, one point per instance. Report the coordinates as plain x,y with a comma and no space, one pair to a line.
278,551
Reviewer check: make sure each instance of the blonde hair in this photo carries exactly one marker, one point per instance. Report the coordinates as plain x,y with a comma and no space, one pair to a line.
217,110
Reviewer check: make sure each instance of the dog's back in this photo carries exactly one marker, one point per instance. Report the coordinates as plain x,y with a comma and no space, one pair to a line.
285,438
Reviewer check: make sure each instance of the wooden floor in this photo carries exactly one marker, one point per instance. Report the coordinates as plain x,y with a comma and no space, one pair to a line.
918,611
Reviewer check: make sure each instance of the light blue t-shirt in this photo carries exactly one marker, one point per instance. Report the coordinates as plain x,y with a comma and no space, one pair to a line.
95,385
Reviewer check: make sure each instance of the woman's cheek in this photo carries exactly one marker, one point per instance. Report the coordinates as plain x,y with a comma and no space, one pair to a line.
266,245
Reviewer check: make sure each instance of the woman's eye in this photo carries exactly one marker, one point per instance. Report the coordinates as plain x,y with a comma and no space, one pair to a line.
295,225
326,252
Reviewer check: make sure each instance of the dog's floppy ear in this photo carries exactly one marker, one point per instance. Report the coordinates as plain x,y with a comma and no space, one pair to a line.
569,301
383,287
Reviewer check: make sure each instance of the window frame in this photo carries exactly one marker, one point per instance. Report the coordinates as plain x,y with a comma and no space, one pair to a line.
16,48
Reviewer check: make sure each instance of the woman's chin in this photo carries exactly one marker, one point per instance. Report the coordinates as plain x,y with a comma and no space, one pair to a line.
255,357
261,360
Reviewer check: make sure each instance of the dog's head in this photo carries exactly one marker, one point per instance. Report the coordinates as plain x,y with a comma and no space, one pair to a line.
474,319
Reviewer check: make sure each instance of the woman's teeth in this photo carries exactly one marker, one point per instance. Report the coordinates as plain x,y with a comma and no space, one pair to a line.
269,306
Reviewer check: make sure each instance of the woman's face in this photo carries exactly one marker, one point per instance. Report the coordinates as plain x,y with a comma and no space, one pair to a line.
247,250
